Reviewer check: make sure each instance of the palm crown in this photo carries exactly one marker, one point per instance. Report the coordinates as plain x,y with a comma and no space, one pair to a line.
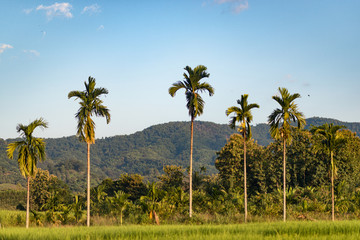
90,104
192,86
242,115
280,119
331,138
31,149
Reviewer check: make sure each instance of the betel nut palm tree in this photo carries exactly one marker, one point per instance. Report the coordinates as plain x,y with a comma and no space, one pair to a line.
195,104
330,141
280,121
244,117
31,150
90,104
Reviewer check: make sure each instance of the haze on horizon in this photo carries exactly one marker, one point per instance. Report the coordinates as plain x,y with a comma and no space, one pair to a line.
137,49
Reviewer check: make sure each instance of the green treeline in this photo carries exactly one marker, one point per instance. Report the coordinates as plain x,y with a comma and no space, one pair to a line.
217,197
145,152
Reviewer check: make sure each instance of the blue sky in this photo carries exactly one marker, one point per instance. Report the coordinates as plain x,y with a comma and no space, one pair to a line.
137,49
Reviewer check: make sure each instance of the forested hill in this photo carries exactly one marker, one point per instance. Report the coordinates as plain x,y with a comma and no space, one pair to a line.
144,152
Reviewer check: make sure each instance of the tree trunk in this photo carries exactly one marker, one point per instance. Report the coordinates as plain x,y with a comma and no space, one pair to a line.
332,188
284,179
88,185
121,213
190,171
245,185
28,203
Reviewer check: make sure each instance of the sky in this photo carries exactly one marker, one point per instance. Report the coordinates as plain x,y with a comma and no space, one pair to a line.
137,49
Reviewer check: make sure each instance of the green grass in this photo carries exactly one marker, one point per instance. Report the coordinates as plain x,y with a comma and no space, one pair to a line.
274,230
12,218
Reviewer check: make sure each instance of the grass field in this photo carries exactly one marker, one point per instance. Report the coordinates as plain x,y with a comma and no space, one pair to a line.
274,230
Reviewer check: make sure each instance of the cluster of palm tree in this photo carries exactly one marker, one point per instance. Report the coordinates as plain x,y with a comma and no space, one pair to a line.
282,121
32,149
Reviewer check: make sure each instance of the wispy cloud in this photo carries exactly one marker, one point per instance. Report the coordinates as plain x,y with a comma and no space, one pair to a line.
28,11
57,9
91,9
101,27
32,52
236,6
3,47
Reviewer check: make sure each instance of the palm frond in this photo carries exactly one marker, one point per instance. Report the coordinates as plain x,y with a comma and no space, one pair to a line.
175,87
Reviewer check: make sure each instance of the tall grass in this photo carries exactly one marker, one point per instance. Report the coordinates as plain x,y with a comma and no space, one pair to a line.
277,230
12,218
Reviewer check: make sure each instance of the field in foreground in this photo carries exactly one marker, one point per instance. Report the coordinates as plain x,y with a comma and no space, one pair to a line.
274,230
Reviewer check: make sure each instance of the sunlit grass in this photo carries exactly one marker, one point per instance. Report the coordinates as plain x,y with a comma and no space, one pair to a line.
274,230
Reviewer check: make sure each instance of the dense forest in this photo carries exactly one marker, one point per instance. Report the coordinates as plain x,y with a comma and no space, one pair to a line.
145,152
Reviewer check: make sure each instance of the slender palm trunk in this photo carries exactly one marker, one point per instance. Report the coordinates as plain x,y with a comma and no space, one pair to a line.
28,203
332,188
245,185
88,185
190,171
284,179
121,213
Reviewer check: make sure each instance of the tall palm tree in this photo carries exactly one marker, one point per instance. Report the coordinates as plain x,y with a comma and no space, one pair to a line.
330,141
280,125
30,150
244,117
90,104
194,103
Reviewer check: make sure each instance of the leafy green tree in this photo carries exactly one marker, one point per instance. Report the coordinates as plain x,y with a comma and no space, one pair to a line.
194,103
281,127
132,184
244,117
90,104
331,140
173,177
45,187
230,165
30,150
304,167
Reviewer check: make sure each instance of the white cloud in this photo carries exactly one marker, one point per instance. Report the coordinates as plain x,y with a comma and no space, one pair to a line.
91,9
28,11
101,27
33,52
237,6
4,46
57,9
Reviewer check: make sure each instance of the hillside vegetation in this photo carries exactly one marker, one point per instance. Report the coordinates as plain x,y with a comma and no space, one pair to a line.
145,152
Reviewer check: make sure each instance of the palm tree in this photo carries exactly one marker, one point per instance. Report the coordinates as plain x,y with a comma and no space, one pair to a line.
90,104
31,150
119,203
244,117
330,141
151,200
280,125
194,103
